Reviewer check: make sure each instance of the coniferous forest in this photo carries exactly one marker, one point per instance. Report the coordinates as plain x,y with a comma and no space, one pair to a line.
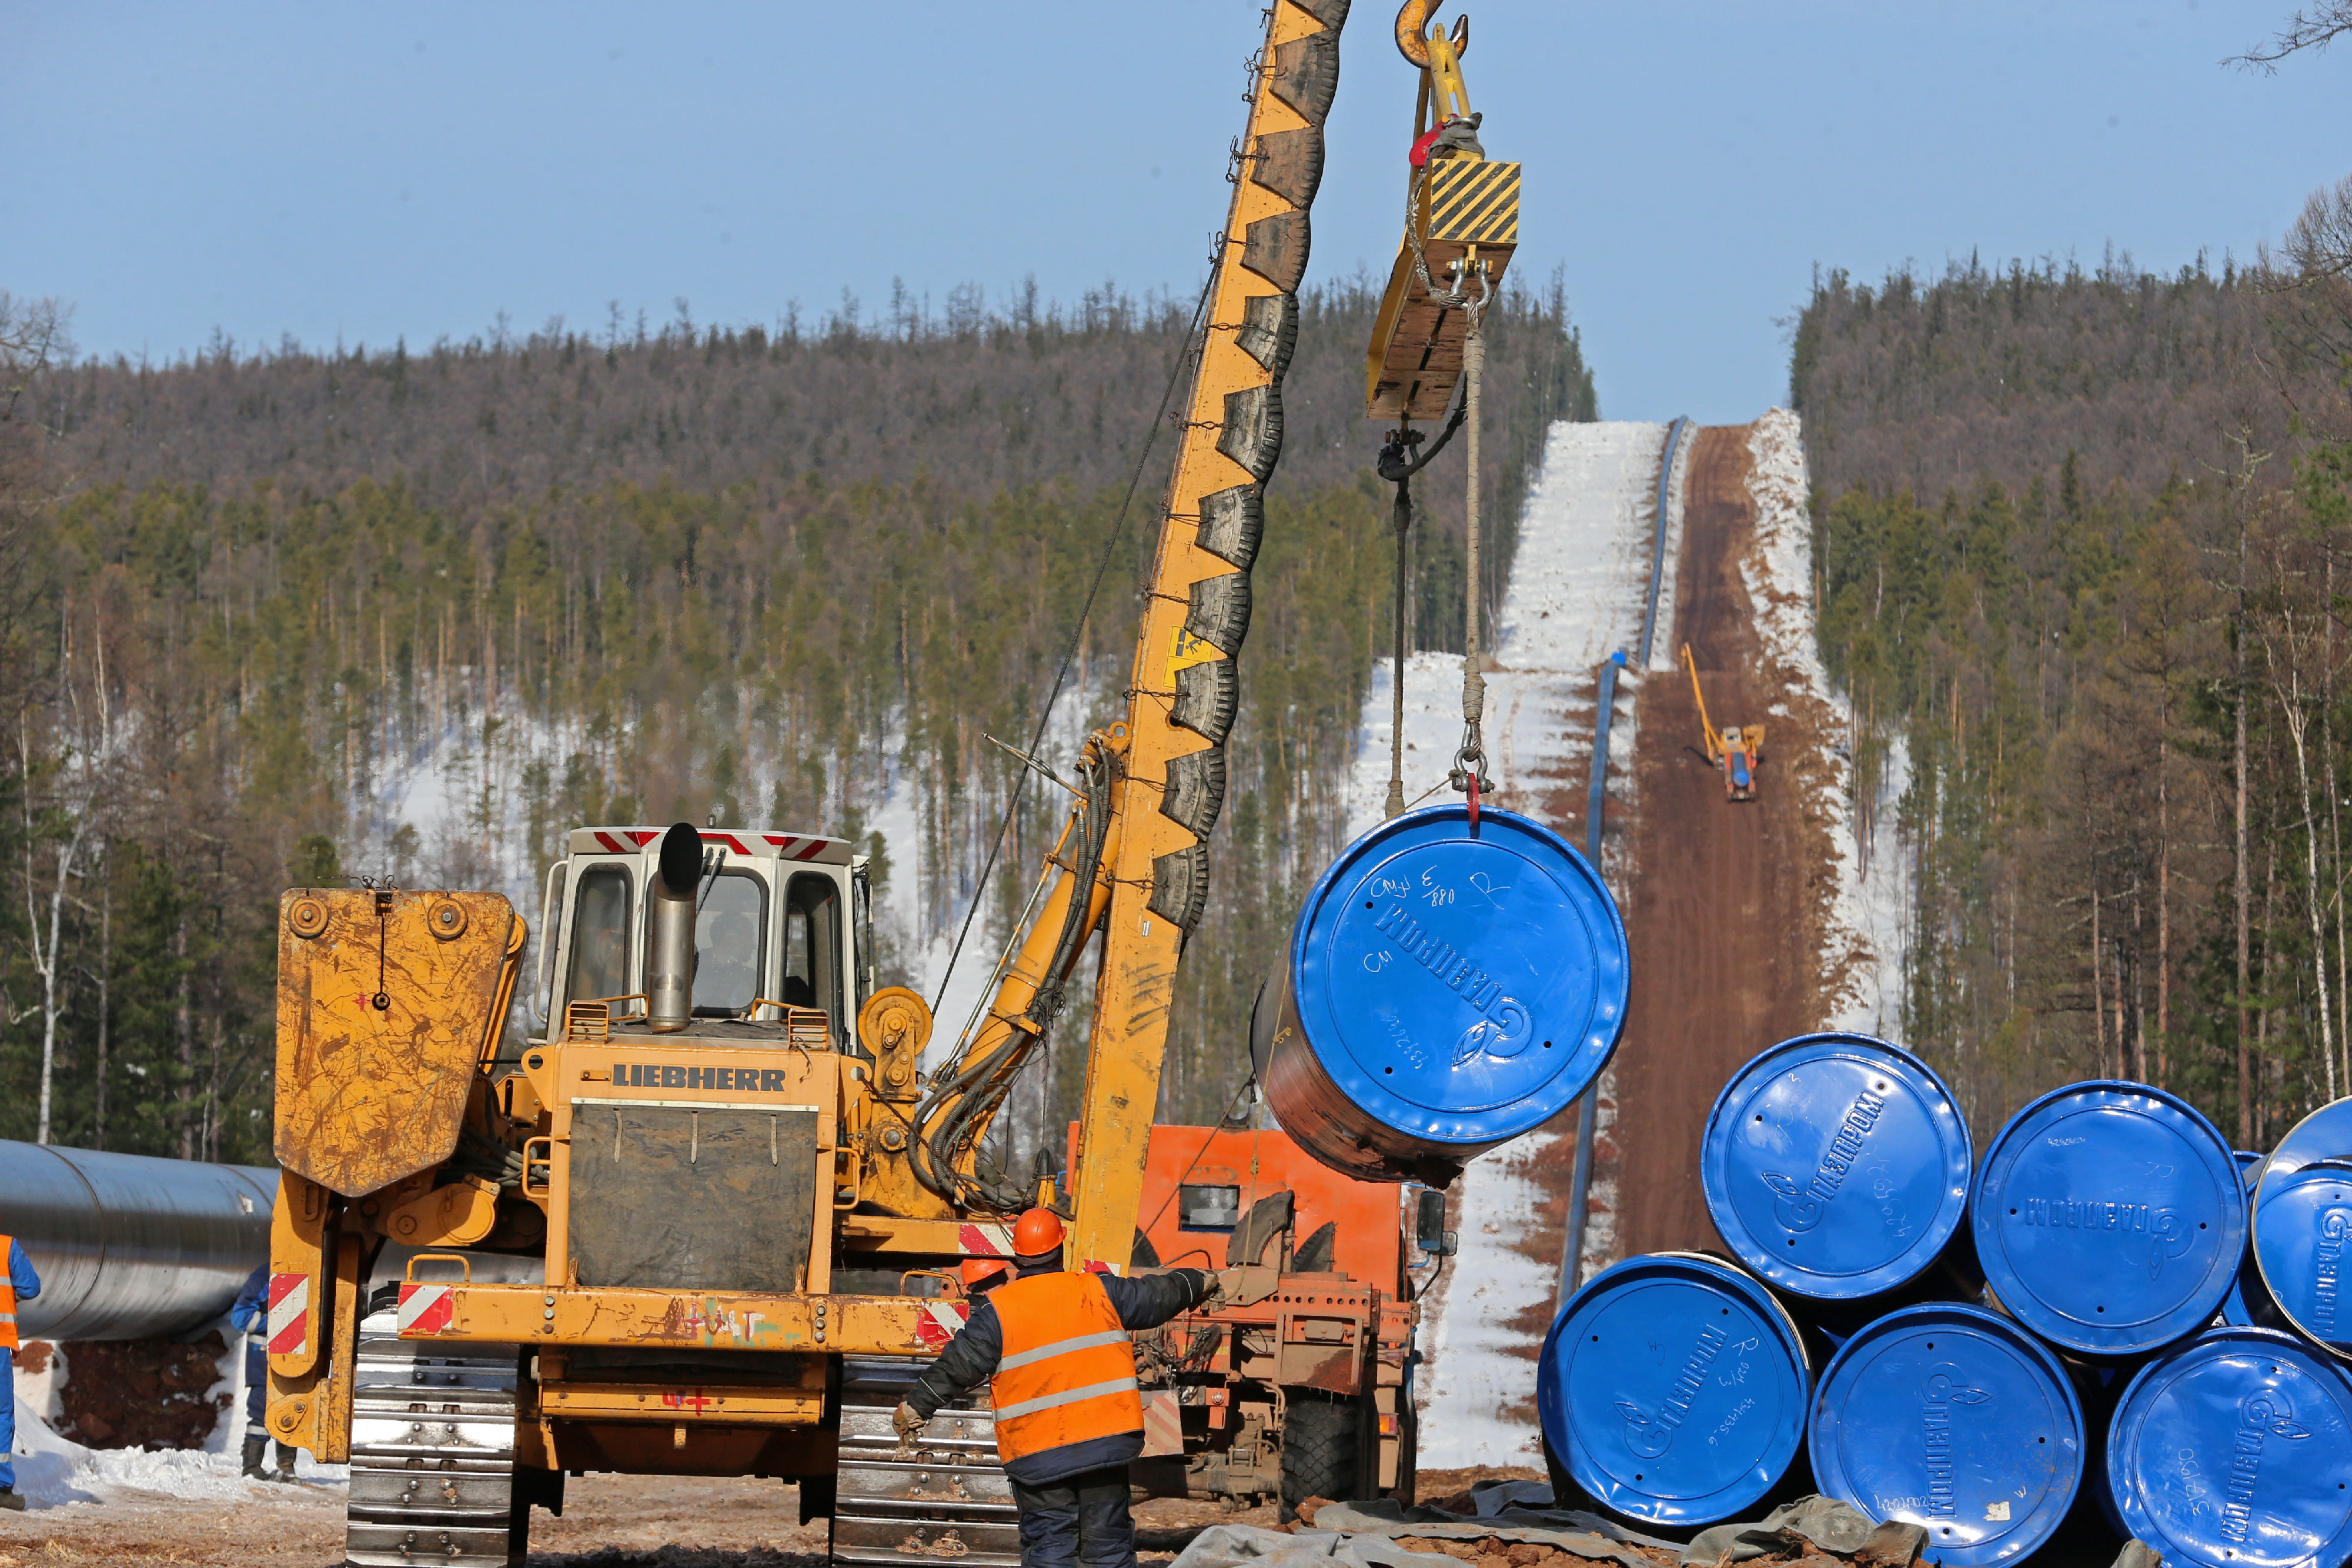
2083,563
2083,548
284,615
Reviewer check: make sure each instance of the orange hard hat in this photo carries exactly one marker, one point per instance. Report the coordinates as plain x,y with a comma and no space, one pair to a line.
1037,1233
982,1273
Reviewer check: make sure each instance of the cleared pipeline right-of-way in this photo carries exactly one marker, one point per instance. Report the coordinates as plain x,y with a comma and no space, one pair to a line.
129,1247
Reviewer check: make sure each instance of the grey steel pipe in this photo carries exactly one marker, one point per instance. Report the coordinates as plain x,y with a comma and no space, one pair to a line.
128,1247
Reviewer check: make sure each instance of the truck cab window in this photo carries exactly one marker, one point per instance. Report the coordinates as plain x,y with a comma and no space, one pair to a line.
600,936
731,932
812,946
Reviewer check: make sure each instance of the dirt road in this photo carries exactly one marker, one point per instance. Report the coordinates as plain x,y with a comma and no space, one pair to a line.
610,1521
1721,912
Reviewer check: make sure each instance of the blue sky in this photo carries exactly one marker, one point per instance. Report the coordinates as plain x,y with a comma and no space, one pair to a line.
350,173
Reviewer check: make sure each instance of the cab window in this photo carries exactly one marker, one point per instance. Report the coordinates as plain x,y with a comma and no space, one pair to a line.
731,934
812,946
600,936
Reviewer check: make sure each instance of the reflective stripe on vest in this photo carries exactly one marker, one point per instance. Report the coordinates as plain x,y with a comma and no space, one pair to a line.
1067,1372
1048,1401
1083,1341
7,1294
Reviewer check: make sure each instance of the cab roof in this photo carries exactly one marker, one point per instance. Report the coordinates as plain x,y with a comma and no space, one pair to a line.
734,841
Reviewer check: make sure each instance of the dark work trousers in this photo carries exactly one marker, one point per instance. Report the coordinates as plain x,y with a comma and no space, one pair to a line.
1078,1522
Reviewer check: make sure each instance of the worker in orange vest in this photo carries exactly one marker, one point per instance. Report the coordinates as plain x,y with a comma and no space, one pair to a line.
1060,1366
23,1285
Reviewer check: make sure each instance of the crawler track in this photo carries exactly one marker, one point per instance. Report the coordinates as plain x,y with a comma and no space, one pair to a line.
433,1454
948,1499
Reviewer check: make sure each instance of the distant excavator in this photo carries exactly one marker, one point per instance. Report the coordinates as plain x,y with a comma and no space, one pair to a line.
1737,750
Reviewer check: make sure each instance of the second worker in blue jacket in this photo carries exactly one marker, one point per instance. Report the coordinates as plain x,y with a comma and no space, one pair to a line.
250,1316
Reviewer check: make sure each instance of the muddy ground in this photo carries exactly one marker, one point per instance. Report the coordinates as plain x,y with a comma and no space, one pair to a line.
610,1521
1725,910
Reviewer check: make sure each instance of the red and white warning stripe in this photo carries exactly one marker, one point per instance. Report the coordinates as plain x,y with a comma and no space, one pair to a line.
289,1315
425,1309
1163,1424
941,1321
984,1238
783,846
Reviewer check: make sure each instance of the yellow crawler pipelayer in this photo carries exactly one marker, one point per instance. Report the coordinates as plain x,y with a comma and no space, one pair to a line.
1736,750
406,1117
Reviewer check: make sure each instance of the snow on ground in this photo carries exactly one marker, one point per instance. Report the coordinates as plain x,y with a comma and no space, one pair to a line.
1577,591
56,1472
1477,1370
1873,1005
1577,588
1863,939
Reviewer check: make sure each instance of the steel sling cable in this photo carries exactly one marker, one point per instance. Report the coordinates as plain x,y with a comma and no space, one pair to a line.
1110,552
1398,464
1469,774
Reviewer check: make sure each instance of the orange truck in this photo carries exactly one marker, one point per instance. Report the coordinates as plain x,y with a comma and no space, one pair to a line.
1307,1392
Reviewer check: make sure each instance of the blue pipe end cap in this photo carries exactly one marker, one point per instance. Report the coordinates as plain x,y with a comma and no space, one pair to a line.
2110,1218
2235,1449
1461,985
1835,1166
1957,1420
1674,1387
2303,1241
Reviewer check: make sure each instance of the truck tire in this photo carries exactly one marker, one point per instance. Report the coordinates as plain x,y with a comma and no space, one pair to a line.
1322,1450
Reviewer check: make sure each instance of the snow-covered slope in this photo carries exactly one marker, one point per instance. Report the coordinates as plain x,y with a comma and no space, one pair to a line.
1861,961
1577,592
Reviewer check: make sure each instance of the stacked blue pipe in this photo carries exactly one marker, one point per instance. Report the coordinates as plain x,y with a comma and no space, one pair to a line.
2247,1304
1672,1387
1956,1418
1836,1167
2303,1224
2110,1218
2235,1447
2113,1322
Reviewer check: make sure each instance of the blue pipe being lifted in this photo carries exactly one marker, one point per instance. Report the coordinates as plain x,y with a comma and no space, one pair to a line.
129,1247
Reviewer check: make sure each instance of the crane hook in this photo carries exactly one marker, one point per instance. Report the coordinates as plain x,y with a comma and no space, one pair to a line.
1412,20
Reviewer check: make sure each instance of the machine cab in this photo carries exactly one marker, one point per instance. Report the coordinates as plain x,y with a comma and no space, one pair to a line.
781,920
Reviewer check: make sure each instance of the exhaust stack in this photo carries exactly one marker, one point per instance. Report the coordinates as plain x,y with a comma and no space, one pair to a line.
670,961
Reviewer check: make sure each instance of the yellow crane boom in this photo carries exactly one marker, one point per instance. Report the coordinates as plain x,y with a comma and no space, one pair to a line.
1134,858
1714,740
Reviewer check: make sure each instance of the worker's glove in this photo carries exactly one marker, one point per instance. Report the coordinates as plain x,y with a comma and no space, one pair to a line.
907,1425
1212,1290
